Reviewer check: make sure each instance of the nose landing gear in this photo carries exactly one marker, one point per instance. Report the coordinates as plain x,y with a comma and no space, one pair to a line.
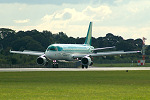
55,64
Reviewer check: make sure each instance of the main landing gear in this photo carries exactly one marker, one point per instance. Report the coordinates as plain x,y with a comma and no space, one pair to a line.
55,64
84,66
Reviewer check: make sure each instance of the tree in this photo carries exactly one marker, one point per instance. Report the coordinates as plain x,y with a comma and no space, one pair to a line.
4,32
38,41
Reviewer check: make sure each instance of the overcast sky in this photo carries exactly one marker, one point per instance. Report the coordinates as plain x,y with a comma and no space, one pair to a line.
126,18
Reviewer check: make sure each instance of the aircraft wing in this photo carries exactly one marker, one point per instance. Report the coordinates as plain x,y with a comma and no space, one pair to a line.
26,52
104,54
112,53
102,48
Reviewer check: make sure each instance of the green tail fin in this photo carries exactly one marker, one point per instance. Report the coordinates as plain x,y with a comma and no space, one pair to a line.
89,35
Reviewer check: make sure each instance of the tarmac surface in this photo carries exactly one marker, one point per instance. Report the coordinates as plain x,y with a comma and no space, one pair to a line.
74,69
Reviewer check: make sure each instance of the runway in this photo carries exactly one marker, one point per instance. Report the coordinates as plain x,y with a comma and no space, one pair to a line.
74,69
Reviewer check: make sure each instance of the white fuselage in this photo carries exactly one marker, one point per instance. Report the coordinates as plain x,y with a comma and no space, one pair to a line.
66,51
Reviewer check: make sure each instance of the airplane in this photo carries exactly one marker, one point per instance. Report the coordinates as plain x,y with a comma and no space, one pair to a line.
72,52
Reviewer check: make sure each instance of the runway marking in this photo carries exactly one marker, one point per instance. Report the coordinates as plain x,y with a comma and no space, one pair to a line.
73,69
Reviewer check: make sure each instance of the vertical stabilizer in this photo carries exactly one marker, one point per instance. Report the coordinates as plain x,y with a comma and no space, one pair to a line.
89,35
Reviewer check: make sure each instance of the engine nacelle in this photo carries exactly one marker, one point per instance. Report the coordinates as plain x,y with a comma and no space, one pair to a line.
87,61
42,61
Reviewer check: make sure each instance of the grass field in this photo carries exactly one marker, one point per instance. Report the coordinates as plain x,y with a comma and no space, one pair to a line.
98,85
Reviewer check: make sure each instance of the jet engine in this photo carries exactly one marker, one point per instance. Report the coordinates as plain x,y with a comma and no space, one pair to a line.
86,61
42,61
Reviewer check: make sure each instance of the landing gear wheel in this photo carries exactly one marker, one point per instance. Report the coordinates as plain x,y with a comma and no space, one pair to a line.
53,66
82,66
56,65
86,67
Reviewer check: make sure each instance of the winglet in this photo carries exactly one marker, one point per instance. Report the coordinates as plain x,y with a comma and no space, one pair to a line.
89,35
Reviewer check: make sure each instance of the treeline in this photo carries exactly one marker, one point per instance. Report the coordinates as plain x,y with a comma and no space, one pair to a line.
39,41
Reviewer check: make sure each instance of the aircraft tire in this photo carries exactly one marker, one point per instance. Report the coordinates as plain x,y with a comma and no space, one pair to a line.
57,65
86,67
82,66
53,65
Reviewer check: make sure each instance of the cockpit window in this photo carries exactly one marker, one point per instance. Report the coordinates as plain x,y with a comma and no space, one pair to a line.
54,48
59,48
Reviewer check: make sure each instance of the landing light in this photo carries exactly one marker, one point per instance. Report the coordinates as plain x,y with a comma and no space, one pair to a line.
54,60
